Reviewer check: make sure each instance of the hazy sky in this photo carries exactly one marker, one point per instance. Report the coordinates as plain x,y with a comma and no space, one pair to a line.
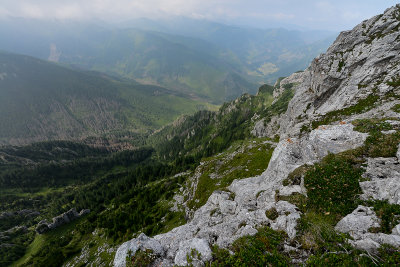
319,14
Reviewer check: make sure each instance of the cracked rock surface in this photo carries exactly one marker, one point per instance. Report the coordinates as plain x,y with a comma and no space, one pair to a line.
222,219
384,180
358,224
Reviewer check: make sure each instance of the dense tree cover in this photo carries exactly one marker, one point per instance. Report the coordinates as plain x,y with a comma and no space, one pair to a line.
127,192
61,174
51,151
124,192
206,133
40,100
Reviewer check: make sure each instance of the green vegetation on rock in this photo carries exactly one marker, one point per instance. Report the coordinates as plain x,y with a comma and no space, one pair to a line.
244,159
363,105
263,249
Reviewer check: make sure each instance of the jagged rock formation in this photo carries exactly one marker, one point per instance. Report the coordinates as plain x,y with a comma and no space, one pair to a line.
68,216
363,62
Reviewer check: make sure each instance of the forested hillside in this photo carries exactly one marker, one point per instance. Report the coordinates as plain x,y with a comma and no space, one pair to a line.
42,101
119,188
212,61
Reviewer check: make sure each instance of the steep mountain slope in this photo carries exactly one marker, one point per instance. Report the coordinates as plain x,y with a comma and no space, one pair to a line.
219,191
44,101
344,115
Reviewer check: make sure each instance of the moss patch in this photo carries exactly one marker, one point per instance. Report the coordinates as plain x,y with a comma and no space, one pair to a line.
396,108
296,199
140,259
272,214
389,214
371,125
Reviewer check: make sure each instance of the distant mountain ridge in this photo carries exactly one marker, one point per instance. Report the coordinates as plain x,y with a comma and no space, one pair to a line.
42,101
211,61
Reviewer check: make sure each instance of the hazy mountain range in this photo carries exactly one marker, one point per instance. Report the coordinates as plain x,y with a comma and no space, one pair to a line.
212,61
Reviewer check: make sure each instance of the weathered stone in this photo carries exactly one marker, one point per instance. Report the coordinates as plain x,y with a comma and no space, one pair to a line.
358,222
84,212
67,217
365,244
24,212
142,242
384,184
222,220
195,249
356,64
227,206
396,230
398,153
42,227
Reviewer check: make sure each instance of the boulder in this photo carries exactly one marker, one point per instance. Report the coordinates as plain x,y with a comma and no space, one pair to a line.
396,230
358,222
42,227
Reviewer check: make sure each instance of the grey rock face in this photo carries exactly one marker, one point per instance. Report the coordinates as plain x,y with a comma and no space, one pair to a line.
198,250
67,217
24,212
287,219
42,227
396,230
358,223
223,220
84,212
295,78
263,129
398,154
384,184
359,63
142,242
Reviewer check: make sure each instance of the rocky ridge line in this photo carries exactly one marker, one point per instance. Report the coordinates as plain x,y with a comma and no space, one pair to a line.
362,62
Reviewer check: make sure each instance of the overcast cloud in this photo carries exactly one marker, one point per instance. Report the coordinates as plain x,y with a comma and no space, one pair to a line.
320,14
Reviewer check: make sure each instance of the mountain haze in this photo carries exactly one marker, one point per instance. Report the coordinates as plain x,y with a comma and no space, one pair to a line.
40,101
212,61
303,173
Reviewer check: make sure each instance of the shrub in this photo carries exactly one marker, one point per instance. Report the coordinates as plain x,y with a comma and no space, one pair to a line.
333,185
259,250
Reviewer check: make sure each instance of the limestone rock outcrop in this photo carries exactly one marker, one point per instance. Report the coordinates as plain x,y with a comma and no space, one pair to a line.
228,215
358,225
361,63
384,180
67,217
